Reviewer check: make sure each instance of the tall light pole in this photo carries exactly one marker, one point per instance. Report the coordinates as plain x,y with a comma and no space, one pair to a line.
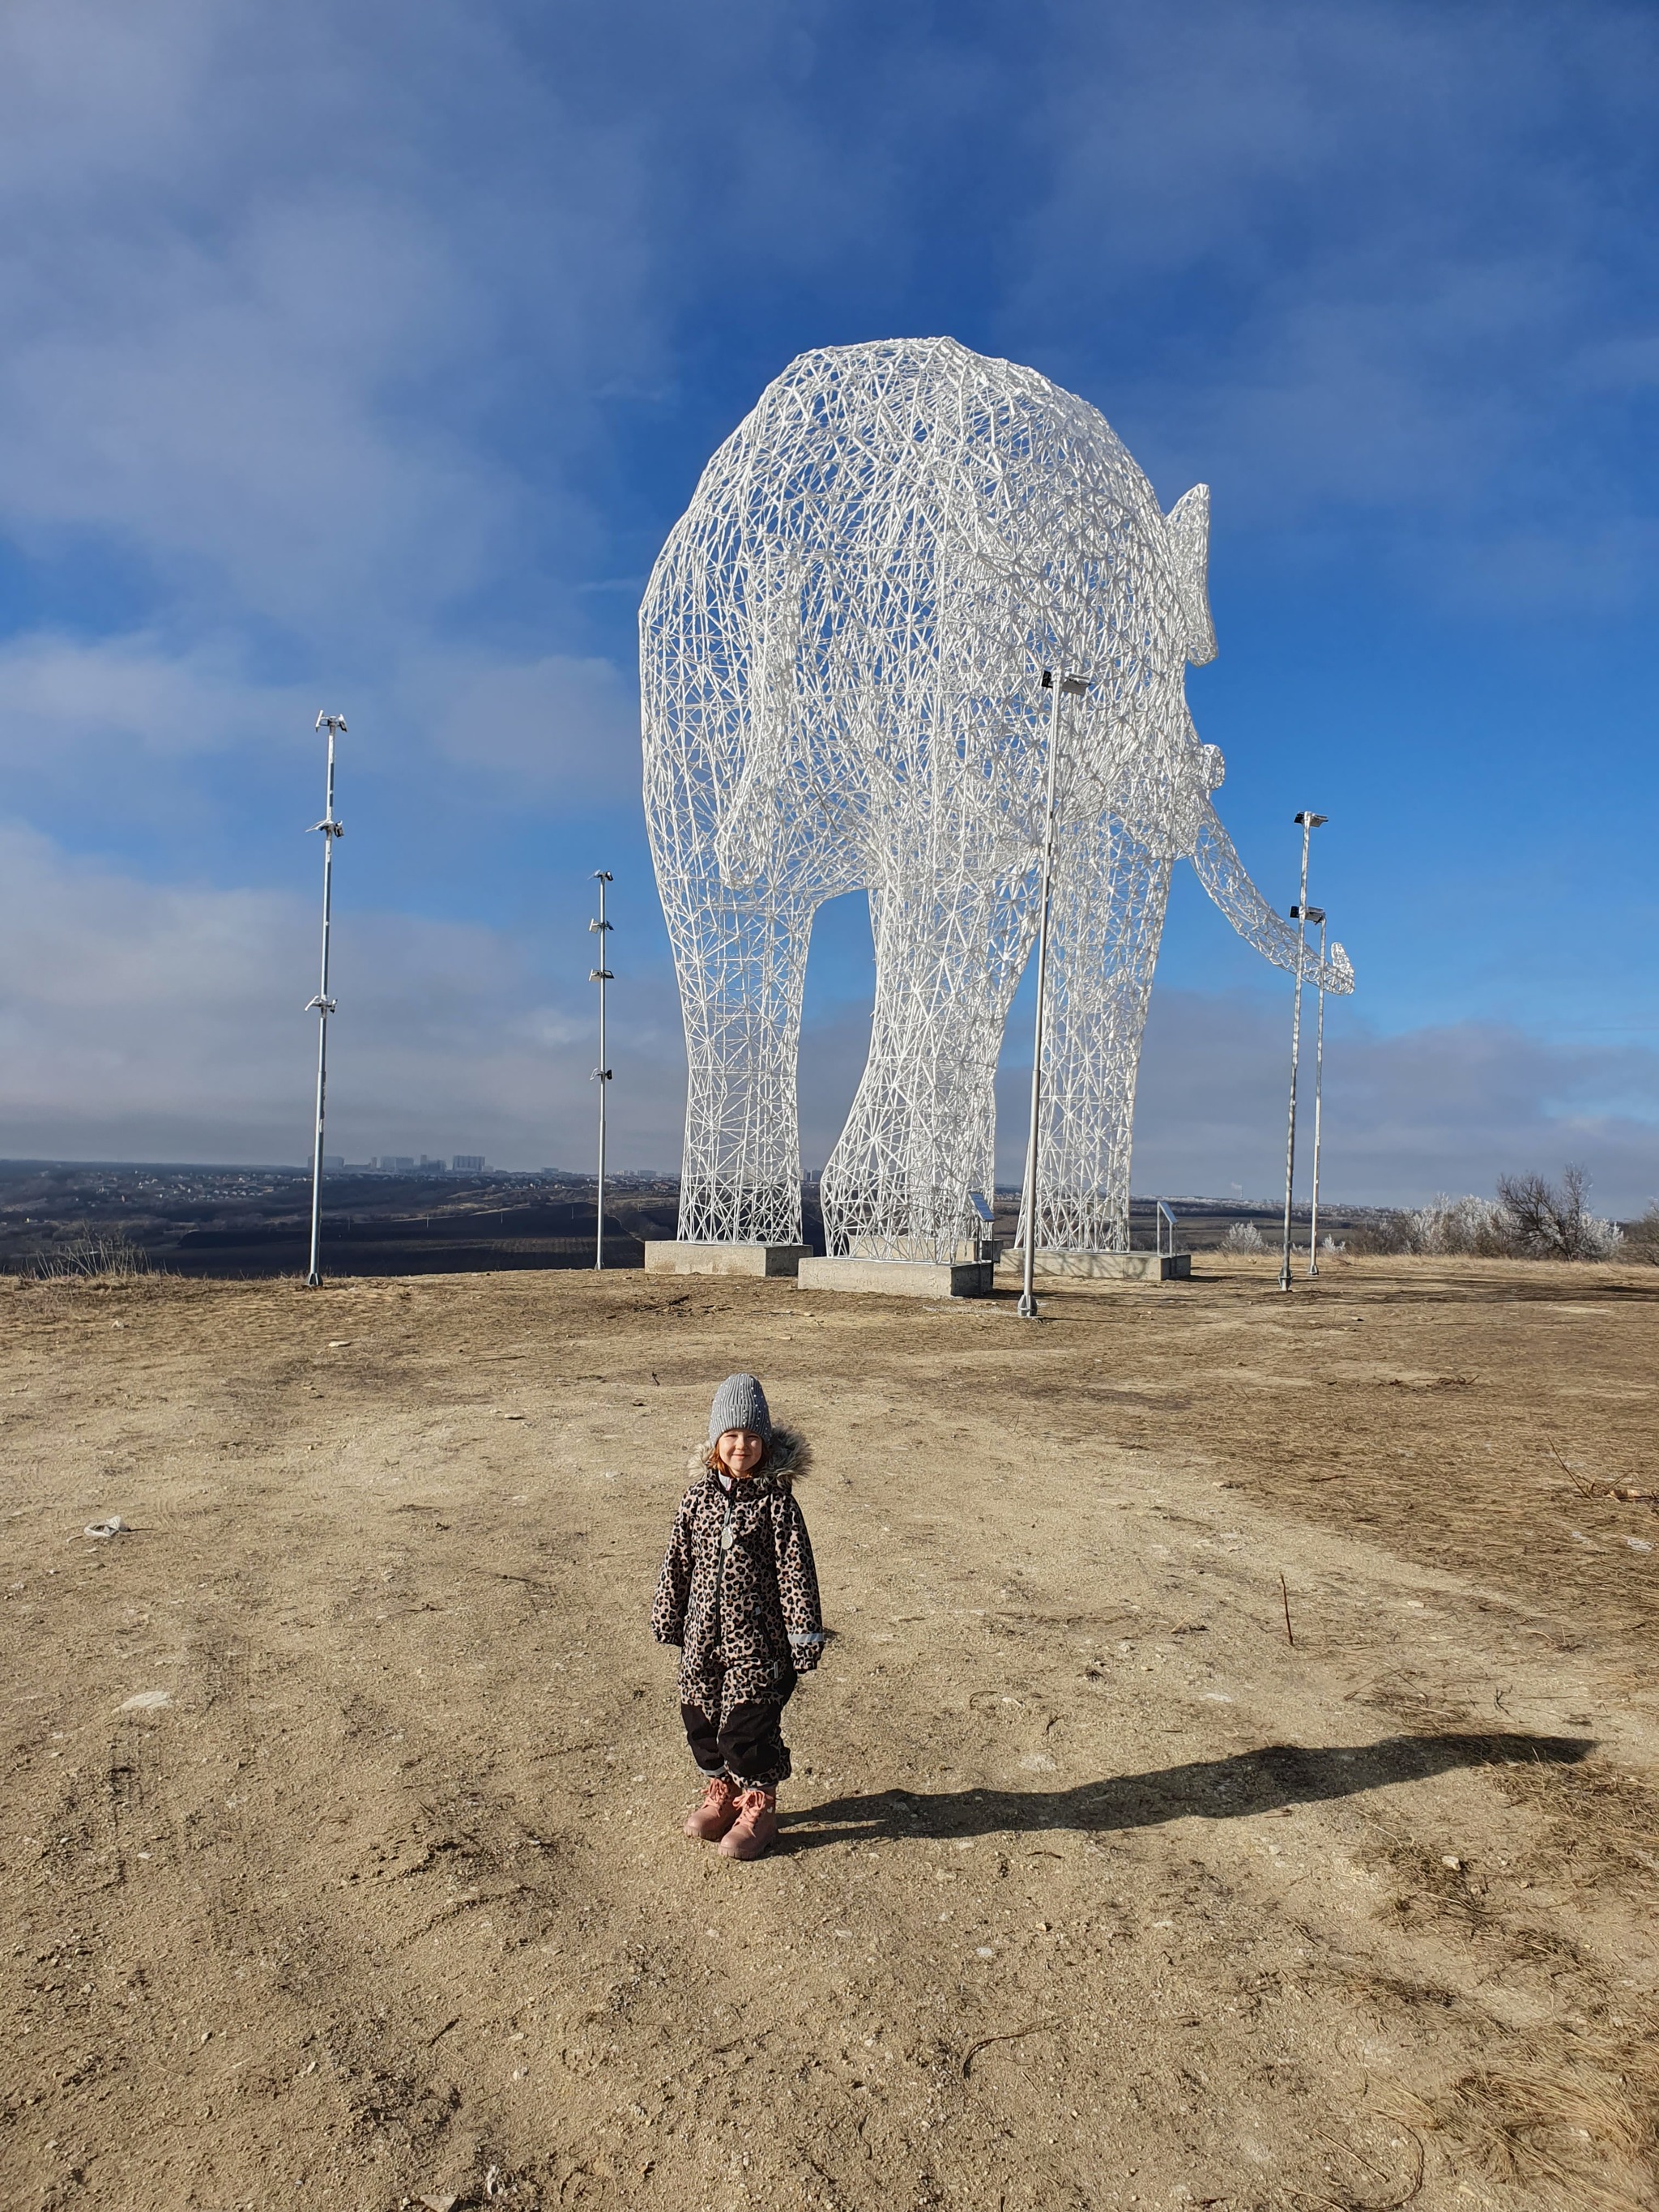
1317,914
601,975
1073,687
1310,822
322,1004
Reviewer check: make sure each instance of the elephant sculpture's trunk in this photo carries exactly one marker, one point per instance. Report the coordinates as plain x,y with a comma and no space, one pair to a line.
1222,874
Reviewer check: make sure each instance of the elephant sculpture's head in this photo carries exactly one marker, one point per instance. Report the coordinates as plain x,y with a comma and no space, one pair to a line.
1136,616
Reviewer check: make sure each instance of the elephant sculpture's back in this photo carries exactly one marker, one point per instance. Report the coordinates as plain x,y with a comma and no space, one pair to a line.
871,566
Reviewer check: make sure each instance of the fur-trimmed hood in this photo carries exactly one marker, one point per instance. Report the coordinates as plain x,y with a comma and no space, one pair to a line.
788,1457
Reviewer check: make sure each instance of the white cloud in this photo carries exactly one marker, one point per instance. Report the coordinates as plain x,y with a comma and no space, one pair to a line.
1449,1107
263,302
77,698
133,714
559,726
226,412
146,1022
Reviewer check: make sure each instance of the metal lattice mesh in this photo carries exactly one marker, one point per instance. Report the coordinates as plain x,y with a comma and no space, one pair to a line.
841,647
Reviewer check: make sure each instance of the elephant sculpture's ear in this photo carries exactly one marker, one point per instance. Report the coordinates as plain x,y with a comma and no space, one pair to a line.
1187,524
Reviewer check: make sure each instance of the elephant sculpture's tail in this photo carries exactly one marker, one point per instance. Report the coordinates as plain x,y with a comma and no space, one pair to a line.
1222,874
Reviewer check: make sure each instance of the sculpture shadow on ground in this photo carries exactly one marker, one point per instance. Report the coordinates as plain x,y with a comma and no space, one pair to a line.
1271,1779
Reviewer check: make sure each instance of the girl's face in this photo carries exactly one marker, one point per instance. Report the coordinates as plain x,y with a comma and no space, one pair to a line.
741,1452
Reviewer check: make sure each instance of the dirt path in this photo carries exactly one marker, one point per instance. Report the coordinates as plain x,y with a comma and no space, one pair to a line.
340,1836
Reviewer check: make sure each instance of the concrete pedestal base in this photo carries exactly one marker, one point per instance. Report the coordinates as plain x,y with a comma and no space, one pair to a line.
971,1249
904,1279
1111,1266
664,1258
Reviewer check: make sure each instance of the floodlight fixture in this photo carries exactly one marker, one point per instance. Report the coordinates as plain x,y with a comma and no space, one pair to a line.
1311,821
322,1005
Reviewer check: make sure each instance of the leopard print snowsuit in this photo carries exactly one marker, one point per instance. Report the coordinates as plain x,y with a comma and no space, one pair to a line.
738,1592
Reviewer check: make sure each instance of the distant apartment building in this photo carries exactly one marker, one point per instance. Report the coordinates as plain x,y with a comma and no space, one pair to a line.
393,1162
467,1164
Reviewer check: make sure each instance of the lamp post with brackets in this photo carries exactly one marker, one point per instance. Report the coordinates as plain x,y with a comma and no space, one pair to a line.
601,975
1317,913
322,1004
1299,913
1070,687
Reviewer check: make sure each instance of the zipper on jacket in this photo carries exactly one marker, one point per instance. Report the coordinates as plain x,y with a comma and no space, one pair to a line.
720,1574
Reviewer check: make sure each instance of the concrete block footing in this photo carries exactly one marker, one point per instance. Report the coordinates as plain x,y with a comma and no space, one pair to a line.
1110,1266
904,1279
977,1249
663,1257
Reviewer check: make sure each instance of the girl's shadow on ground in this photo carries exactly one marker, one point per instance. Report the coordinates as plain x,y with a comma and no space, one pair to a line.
1266,1781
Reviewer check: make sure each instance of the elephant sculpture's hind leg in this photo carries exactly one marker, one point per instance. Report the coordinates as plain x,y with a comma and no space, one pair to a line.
921,1134
742,967
1106,920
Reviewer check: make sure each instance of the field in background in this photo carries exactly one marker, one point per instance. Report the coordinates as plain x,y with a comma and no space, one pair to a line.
1234,1779
252,1222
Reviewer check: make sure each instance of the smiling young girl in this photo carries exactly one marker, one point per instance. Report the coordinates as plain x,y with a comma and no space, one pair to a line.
739,1594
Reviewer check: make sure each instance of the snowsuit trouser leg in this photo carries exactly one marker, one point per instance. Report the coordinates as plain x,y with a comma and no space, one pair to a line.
743,1740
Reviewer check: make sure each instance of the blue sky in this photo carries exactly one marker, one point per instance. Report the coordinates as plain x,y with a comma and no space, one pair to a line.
361,356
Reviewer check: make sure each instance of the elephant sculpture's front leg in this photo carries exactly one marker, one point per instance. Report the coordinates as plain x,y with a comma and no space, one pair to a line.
741,961
921,1134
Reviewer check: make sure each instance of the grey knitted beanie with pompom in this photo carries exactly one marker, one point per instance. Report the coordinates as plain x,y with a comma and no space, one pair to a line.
740,1403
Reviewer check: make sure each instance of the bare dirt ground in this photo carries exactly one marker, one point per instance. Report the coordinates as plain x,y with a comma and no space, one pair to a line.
340,1832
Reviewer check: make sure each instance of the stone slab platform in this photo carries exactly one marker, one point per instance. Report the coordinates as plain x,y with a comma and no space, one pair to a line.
904,1279
664,1257
1111,1266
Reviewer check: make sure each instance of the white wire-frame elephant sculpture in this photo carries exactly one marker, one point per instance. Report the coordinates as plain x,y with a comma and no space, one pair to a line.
842,648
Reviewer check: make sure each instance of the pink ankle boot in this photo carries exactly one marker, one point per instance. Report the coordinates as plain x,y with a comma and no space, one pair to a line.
755,1828
707,1822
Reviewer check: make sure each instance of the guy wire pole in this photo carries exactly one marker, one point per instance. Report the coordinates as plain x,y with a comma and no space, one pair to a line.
1298,914
1317,914
601,975
323,1005
1076,685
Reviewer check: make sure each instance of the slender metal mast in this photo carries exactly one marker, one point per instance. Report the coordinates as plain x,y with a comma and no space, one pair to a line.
1317,914
322,1004
1298,915
601,975
1075,685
